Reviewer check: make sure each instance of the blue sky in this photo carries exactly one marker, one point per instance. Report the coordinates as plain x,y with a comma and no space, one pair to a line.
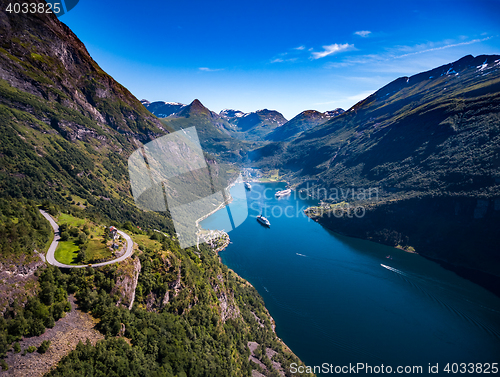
288,56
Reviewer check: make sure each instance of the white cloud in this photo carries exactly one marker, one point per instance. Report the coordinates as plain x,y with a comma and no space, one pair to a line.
206,69
292,55
279,60
332,49
363,33
443,47
385,61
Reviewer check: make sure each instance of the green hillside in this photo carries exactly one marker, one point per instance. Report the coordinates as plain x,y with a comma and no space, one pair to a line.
67,127
67,131
430,132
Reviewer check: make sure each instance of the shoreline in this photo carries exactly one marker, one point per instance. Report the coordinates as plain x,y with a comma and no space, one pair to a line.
222,205
221,233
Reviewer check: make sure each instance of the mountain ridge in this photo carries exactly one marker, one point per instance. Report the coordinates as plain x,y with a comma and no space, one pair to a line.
162,109
263,125
300,123
212,131
233,123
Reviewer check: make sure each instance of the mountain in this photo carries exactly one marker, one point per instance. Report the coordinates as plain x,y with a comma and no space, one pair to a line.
300,123
212,130
429,145
417,127
196,108
162,109
230,114
259,118
255,125
67,131
67,127
251,127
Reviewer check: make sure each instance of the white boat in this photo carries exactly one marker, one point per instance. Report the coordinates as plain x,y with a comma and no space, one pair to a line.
279,194
261,219
248,186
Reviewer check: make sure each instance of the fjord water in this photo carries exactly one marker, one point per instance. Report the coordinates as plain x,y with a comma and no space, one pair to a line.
334,301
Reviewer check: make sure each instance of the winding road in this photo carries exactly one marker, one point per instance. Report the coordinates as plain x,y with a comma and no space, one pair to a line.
50,257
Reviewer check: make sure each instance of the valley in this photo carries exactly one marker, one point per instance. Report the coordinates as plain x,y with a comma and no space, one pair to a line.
428,144
79,156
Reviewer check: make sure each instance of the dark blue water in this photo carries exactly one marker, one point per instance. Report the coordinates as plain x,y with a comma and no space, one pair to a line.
334,302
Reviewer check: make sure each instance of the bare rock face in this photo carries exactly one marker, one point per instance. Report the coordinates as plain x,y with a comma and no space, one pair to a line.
227,305
151,302
18,280
257,359
122,329
126,282
56,68
166,298
176,285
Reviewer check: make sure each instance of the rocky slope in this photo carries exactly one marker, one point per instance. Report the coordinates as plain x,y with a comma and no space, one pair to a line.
65,122
18,280
75,327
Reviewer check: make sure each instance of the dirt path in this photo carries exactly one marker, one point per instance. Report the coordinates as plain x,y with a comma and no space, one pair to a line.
64,336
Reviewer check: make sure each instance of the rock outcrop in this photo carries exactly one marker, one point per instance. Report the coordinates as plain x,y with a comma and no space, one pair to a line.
126,282
18,280
227,305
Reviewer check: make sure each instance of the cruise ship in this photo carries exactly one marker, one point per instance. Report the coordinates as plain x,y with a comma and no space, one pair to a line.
261,219
279,194
248,186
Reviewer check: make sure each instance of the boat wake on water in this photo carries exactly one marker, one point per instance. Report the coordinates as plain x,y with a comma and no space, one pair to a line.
394,270
301,255
458,313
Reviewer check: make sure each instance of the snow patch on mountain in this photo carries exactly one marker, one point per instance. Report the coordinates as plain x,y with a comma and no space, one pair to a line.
230,113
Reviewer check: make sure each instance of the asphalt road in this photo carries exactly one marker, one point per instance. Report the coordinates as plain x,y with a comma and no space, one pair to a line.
53,246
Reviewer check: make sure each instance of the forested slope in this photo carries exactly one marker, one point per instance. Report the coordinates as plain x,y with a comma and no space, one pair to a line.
67,131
